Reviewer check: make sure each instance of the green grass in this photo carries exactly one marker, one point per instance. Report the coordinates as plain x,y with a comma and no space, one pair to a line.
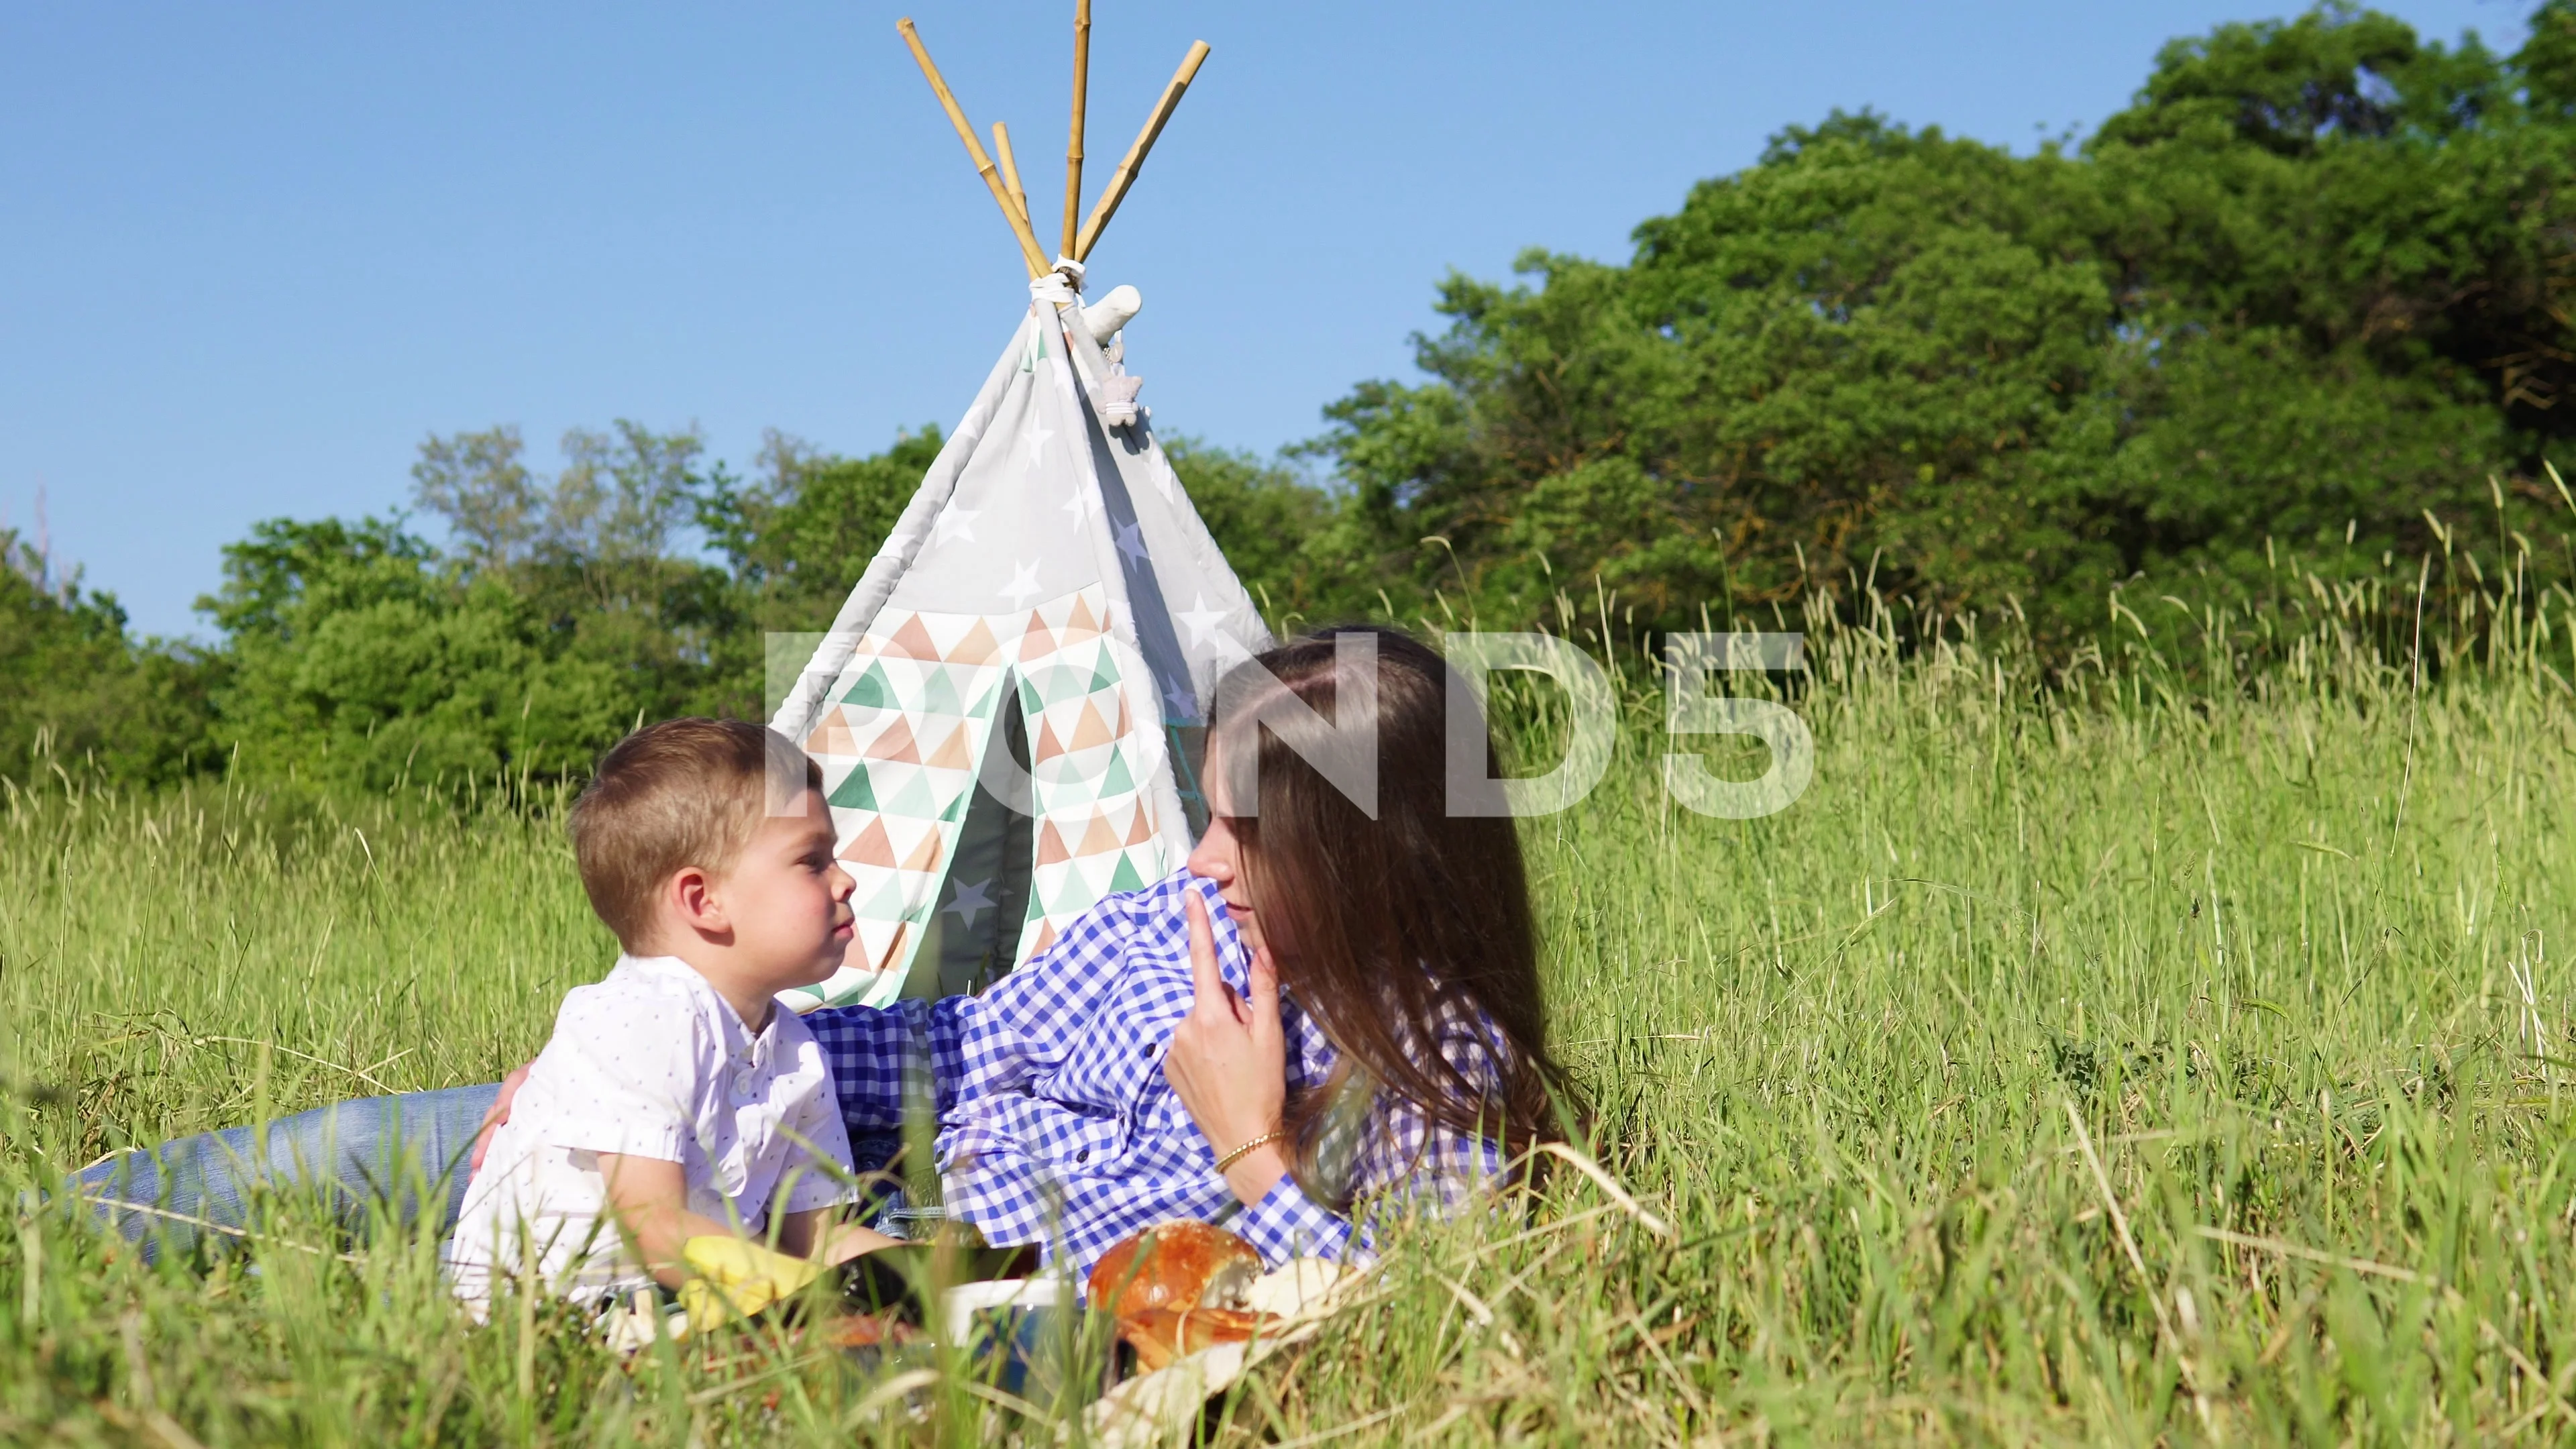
2163,1055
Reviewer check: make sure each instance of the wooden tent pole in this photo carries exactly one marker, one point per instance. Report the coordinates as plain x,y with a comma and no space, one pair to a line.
1073,146
1011,173
1125,175
983,164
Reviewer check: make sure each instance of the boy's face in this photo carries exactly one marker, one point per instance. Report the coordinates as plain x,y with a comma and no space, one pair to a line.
788,899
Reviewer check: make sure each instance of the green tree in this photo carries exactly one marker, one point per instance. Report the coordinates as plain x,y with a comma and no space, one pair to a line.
79,693
360,659
800,534
2312,287
2547,60
362,656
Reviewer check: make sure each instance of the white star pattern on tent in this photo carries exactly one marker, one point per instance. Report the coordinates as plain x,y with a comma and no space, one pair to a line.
955,522
1079,505
1024,582
1131,542
1039,432
1203,622
1177,697
970,901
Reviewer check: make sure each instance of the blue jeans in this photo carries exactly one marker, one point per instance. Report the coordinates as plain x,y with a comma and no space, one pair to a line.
405,1154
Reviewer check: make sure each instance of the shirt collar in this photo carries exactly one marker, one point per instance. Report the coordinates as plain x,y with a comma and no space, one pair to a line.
739,1038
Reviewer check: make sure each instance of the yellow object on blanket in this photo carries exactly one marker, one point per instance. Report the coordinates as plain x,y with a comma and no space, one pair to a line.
736,1279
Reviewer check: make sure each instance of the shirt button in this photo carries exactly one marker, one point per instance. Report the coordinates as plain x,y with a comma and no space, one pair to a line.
1083,1156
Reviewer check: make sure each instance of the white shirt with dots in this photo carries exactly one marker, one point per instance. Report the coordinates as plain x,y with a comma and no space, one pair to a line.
650,1062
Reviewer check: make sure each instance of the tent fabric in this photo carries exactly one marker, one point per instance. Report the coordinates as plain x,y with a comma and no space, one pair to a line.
1047,618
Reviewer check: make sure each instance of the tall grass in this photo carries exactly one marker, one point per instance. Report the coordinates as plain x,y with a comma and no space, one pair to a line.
2164,1044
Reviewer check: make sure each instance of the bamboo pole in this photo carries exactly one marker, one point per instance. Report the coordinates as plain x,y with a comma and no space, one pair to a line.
1011,173
1125,176
983,164
1073,146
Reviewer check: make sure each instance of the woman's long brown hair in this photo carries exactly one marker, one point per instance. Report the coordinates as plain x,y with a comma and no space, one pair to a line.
1399,933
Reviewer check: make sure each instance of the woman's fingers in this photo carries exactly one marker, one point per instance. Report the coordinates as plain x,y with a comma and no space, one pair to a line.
1209,991
494,1116
1227,1060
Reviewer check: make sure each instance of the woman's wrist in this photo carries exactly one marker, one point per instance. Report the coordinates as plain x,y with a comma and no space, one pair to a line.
1255,1173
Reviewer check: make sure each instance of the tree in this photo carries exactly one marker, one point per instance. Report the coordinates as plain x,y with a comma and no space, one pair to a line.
362,656
2547,60
801,533
361,659
2309,290
77,692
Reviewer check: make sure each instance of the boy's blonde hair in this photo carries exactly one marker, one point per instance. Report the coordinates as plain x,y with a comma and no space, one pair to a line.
685,792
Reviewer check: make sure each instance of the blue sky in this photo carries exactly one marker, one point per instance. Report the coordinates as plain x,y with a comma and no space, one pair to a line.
251,256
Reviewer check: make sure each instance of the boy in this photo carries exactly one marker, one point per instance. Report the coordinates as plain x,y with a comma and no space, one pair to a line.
676,1100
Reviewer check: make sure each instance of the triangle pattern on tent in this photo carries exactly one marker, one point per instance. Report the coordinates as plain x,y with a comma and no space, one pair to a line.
853,792
1116,781
1126,877
939,694
870,691
1048,568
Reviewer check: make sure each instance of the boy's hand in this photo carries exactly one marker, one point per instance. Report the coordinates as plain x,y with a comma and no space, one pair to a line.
731,1278
844,1241
494,1116
820,1234
650,1205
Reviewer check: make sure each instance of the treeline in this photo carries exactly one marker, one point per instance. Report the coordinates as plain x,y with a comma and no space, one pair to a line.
2310,295
634,582
2310,292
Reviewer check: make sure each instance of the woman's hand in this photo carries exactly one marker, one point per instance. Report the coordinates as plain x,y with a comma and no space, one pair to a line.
494,1116
1229,1061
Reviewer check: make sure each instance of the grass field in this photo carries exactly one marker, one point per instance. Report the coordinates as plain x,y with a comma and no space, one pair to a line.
2168,1054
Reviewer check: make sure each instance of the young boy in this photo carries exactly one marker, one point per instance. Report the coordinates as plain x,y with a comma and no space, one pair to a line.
676,1099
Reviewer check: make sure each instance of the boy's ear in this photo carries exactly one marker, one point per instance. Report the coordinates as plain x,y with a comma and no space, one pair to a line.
695,902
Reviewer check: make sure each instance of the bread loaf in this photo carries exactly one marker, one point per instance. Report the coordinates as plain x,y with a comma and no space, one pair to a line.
1176,1265
1162,1335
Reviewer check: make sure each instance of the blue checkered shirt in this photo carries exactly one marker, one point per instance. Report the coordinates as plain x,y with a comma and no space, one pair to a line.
1058,1127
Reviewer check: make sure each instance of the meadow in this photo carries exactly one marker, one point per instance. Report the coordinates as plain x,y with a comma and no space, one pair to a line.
2165,1047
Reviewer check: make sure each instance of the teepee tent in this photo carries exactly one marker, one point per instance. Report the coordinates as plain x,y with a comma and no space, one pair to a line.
1006,708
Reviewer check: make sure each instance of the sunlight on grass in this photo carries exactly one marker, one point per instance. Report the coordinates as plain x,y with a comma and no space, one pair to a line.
2174,1050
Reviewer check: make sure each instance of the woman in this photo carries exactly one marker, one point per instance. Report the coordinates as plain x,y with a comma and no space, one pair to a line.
1330,1004
1334,1003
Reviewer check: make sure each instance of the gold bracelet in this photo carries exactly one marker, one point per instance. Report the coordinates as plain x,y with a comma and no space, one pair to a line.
1275,1134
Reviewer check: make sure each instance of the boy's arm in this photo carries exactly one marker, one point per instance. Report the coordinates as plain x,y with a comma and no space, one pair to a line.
818,1233
649,1199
